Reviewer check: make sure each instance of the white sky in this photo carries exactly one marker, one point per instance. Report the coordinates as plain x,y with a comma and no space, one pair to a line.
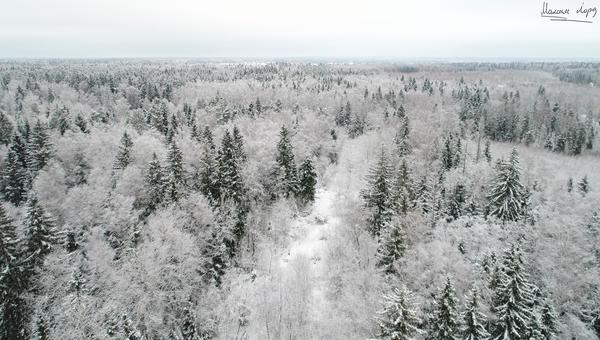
300,28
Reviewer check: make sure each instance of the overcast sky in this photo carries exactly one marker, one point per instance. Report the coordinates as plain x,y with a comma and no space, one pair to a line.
301,28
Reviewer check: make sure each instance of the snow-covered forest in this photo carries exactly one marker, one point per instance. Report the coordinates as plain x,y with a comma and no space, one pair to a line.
163,199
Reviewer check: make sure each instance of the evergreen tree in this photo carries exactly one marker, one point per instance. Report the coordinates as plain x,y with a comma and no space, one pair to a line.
473,320
448,161
401,138
486,152
40,231
457,200
392,246
41,329
286,166
238,143
513,299
307,181
175,173
208,173
188,325
507,196
445,320
549,324
172,131
570,184
81,124
39,149
6,129
583,186
229,178
398,320
155,183
124,157
402,191
10,262
423,197
378,196
15,173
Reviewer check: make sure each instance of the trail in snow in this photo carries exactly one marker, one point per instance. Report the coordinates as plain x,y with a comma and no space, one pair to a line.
310,237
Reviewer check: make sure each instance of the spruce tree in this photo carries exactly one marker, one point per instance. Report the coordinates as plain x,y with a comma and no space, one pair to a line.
473,320
401,138
229,178
307,181
487,152
39,229
445,320
378,195
155,183
238,143
392,246
402,191
208,173
583,186
570,184
39,149
513,299
124,157
507,196
6,129
175,173
81,124
398,320
457,200
448,161
549,324
286,166
15,174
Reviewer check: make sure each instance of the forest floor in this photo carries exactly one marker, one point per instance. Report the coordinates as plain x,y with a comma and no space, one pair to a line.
308,250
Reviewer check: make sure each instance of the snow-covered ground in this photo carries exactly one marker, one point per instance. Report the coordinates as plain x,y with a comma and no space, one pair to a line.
309,244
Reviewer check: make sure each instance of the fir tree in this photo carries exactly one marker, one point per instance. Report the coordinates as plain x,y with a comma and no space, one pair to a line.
39,149
208,175
448,161
445,319
401,138
175,173
39,229
513,299
124,157
378,196
6,129
402,191
423,197
238,143
457,200
583,186
15,173
507,196
398,320
81,124
570,184
486,152
10,262
229,178
473,320
286,166
155,183
41,329
188,325
392,246
307,181
549,324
